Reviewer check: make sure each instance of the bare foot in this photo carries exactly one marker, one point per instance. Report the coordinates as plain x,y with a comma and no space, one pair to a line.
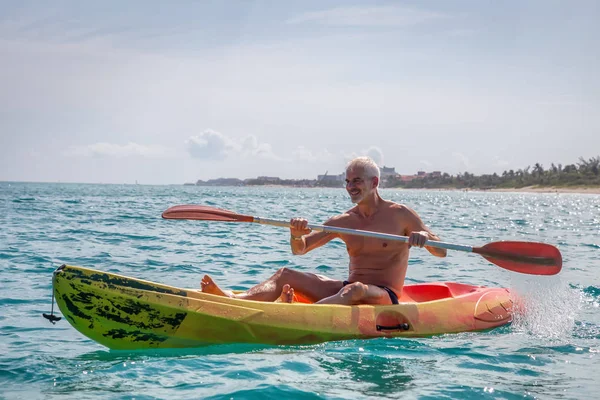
209,286
287,295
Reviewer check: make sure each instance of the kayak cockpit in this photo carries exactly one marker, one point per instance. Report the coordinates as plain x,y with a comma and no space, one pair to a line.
421,292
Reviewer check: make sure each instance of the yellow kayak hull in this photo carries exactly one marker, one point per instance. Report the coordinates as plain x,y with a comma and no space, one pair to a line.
120,312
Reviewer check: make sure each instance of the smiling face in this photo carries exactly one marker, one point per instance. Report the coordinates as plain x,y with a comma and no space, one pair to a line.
359,185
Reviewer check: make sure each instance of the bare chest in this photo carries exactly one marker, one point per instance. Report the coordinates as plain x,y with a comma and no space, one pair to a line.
360,245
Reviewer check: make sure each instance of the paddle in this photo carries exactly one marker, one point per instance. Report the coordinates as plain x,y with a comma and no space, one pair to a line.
524,257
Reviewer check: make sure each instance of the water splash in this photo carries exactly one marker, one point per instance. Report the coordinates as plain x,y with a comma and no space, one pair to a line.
545,307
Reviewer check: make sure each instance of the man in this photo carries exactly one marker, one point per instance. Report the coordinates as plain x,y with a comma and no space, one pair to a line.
377,266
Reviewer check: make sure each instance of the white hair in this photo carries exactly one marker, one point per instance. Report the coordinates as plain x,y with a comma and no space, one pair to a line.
367,164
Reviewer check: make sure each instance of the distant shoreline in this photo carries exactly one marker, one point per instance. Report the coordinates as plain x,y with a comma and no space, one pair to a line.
527,189
534,189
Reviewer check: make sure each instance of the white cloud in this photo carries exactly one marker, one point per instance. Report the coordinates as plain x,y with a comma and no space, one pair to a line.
250,143
103,149
251,147
213,145
374,152
367,16
250,151
376,155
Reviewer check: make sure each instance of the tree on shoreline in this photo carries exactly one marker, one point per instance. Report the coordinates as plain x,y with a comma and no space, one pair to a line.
584,173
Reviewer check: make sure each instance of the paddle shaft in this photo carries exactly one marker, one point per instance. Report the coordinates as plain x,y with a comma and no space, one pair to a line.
358,232
430,243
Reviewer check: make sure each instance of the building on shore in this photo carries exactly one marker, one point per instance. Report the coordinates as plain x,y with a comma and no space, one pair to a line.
387,171
268,179
418,175
331,180
406,178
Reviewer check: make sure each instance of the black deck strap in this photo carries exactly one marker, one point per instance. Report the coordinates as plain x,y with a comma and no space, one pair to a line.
399,327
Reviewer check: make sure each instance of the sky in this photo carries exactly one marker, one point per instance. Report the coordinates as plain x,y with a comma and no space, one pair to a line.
167,93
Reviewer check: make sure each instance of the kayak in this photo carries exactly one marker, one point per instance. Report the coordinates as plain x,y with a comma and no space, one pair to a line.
125,313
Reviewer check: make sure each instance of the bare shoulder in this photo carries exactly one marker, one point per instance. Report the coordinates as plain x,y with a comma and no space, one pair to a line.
398,208
402,211
344,219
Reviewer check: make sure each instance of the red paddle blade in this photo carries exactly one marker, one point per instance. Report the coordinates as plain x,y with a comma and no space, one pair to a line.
204,213
524,257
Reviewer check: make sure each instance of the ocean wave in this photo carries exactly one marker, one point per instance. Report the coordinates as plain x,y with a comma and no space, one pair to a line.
24,200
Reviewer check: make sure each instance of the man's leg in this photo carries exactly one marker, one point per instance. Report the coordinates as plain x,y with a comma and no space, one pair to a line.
358,293
314,287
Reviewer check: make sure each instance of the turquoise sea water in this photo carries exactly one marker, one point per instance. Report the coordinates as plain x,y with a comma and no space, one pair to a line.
550,351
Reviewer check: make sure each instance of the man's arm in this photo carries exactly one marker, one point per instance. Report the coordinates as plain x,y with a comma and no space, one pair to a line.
418,233
302,240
